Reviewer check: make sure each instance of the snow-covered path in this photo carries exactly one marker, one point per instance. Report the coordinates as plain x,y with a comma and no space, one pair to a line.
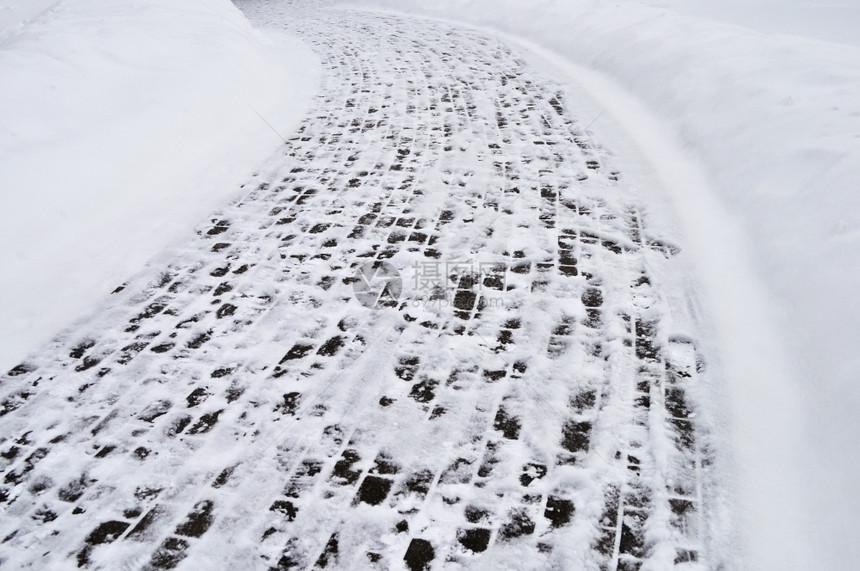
526,393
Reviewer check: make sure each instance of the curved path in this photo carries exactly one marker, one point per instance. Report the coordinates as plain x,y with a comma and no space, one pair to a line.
527,399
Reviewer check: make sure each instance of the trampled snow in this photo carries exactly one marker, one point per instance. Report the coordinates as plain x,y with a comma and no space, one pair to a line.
121,125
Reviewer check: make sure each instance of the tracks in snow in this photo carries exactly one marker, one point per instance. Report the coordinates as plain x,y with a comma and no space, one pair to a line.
238,407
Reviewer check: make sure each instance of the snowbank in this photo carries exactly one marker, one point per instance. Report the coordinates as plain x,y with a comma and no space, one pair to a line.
122,125
775,122
818,19
13,13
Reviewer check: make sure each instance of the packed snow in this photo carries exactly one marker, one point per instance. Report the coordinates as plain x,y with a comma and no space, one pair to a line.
121,125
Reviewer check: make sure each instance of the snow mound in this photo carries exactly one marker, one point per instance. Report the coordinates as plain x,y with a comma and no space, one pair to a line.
122,125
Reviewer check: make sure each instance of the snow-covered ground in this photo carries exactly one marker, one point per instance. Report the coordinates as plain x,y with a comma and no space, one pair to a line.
537,397
773,117
121,125
747,117
828,20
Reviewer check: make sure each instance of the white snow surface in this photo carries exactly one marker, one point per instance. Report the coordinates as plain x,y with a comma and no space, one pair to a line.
109,151
15,13
771,114
121,126
828,20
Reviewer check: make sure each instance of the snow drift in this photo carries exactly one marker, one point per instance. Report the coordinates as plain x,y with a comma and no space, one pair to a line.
121,127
